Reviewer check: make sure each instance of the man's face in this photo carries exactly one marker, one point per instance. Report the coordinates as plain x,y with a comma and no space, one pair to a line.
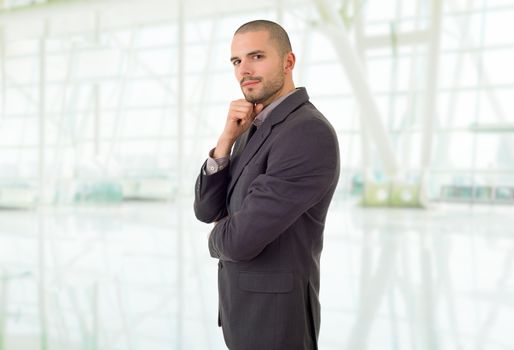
258,66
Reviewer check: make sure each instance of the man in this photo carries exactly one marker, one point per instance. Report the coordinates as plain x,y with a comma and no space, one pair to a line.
268,194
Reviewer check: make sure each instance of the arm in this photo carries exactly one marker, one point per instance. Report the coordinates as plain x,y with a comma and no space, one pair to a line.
211,189
302,167
210,195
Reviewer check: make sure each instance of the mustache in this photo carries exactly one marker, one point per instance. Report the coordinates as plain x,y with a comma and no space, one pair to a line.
245,79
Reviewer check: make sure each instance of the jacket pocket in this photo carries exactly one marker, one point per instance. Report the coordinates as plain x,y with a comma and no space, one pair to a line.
266,282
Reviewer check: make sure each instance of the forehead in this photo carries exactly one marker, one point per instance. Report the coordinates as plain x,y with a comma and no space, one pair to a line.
250,41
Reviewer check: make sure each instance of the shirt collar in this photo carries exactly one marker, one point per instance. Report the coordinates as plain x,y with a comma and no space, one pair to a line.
261,117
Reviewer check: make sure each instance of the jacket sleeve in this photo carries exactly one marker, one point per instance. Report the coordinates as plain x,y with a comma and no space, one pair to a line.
210,195
303,165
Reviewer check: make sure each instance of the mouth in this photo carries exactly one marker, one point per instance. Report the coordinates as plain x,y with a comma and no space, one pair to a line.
250,82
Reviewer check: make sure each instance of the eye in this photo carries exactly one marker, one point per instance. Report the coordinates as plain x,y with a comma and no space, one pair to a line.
257,56
236,62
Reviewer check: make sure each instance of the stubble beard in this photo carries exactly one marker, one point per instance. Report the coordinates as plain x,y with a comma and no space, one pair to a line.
269,89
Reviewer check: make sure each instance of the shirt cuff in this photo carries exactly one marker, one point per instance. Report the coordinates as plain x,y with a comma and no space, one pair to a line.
214,165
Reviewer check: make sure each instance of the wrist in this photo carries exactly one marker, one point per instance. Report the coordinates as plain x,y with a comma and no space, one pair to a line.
223,147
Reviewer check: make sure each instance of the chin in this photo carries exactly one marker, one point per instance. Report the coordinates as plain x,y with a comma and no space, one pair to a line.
253,99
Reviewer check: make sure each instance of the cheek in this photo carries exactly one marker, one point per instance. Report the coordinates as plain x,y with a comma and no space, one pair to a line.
271,70
286,67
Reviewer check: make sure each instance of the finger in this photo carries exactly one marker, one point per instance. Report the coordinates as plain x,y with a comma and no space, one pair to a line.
242,103
240,119
245,110
239,113
258,108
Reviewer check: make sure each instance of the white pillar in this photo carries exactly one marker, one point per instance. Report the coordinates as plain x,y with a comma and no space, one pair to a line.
336,32
96,92
367,170
3,307
2,73
97,131
179,173
41,281
42,190
431,89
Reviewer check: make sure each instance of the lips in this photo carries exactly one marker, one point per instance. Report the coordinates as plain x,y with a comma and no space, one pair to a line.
250,82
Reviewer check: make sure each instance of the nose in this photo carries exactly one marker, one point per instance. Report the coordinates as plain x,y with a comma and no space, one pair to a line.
244,69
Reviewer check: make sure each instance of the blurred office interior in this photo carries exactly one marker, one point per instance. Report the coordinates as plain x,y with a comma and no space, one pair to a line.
108,108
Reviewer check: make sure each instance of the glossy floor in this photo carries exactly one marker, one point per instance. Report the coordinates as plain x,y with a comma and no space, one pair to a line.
138,277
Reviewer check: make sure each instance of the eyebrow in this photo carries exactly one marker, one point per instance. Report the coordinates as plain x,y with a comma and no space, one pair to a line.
255,52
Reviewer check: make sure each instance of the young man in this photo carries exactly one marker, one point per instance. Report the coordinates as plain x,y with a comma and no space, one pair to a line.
267,187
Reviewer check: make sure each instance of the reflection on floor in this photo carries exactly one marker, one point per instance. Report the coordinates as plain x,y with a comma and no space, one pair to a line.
138,276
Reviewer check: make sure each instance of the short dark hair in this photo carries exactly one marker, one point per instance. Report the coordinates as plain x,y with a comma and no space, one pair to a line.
275,30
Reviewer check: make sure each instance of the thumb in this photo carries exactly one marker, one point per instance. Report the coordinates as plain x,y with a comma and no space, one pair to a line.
258,108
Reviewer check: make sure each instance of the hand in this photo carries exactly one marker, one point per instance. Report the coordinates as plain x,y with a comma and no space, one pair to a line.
239,119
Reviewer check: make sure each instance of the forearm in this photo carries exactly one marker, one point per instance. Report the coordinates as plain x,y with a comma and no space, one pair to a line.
223,147
210,195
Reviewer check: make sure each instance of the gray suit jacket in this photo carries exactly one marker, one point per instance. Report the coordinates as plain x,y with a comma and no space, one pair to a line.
271,204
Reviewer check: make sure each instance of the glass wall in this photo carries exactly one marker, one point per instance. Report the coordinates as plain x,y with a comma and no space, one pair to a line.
92,113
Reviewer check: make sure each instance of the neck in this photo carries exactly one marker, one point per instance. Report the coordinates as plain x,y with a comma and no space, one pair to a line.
286,89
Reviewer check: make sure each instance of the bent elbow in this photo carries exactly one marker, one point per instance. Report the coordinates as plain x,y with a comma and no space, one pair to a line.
202,214
207,214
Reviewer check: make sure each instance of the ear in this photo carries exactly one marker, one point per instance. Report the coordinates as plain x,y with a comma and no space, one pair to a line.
289,62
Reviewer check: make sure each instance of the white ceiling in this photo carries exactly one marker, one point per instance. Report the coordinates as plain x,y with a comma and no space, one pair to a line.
64,16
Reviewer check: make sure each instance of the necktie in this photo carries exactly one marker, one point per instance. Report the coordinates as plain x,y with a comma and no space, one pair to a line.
251,132
245,138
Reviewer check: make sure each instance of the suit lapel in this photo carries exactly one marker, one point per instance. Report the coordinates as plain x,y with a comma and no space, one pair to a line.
279,114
